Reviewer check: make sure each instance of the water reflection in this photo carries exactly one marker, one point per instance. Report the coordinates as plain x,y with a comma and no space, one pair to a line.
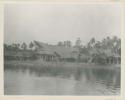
72,81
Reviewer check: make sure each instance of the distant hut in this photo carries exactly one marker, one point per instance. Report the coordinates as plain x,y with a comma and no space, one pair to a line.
18,55
53,52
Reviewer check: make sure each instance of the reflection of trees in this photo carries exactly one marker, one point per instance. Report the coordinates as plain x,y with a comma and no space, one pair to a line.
107,77
78,74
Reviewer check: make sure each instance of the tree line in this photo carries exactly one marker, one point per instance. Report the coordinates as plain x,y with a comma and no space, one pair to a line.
93,51
109,44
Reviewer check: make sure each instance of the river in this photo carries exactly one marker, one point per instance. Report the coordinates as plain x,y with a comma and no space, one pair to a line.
84,81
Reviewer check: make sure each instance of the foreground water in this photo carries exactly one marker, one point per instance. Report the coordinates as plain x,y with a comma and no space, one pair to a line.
79,81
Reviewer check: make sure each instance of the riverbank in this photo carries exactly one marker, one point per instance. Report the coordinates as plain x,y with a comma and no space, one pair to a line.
40,64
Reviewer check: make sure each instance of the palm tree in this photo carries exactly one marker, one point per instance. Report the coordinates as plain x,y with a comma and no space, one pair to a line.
109,42
104,43
69,43
60,43
78,43
6,47
118,46
92,42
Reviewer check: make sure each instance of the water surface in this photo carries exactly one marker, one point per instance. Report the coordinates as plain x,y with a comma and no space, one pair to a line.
78,81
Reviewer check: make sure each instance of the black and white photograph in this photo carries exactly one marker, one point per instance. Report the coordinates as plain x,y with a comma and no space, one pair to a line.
62,49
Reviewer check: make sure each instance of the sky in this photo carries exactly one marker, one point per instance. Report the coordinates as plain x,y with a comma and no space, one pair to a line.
51,23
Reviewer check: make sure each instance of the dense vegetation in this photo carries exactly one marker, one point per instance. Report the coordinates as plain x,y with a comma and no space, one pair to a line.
99,50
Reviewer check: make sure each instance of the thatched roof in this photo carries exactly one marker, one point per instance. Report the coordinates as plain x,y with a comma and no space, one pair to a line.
64,52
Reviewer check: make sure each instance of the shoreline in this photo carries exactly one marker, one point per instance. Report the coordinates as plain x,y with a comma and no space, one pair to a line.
41,64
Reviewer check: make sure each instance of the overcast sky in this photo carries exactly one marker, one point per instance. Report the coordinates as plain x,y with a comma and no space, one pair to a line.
58,22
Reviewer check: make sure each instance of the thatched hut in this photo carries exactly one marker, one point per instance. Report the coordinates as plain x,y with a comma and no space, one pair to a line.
18,55
54,52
